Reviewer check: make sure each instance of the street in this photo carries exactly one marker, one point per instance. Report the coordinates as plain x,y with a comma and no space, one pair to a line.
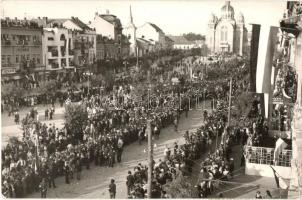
94,182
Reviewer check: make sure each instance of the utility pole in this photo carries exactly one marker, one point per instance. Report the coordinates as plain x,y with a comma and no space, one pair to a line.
150,156
150,146
230,103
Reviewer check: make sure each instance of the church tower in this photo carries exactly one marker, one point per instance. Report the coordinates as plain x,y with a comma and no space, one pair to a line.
211,33
130,32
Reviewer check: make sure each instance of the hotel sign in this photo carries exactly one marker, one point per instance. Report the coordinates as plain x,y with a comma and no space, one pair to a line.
9,71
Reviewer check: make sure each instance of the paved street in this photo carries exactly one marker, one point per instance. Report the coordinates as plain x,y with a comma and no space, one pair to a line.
94,183
10,129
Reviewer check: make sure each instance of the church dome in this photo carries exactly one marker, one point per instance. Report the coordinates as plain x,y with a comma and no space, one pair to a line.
240,19
227,11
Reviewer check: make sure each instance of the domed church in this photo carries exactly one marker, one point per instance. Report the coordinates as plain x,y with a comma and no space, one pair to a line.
225,34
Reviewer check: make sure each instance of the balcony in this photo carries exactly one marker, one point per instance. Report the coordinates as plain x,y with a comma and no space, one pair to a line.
22,42
37,42
6,42
71,52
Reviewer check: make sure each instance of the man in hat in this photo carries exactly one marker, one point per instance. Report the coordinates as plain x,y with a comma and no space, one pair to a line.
112,189
130,182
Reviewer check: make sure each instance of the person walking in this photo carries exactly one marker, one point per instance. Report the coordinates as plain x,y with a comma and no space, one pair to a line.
112,189
66,172
120,145
43,188
130,183
46,114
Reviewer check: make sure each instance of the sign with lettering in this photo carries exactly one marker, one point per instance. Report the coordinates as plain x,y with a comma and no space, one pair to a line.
22,49
9,71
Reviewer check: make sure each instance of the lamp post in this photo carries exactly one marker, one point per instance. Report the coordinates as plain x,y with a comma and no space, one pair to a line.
230,102
150,146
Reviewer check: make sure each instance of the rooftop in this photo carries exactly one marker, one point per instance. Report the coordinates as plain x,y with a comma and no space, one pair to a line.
180,40
20,23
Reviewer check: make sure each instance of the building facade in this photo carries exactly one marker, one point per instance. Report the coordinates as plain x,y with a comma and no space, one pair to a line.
225,34
58,54
152,33
107,25
21,47
83,39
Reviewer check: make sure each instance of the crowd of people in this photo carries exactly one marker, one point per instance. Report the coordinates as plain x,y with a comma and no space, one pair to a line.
114,120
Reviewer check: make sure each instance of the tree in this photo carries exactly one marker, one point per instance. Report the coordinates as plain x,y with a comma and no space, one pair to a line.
76,117
181,187
193,36
11,90
47,87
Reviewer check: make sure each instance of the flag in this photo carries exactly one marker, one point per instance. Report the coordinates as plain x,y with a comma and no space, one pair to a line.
280,182
280,145
264,39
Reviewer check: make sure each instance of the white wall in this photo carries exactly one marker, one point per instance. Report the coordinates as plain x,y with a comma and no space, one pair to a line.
148,32
103,27
266,170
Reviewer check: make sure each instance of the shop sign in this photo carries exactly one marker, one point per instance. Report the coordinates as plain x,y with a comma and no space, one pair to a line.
9,71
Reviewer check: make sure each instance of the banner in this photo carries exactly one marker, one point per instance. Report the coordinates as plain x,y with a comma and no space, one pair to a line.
263,44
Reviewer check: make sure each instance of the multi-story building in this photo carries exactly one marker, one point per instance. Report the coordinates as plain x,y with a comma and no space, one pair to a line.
152,33
83,39
291,26
21,50
107,25
58,52
110,43
109,49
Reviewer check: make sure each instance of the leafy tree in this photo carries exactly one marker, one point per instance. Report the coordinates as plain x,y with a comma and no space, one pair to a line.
193,36
11,90
47,87
76,117
181,187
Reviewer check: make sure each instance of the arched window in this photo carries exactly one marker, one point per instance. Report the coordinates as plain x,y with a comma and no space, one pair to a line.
224,33
62,37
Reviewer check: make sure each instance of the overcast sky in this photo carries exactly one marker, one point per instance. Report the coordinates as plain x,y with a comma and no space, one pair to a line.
173,17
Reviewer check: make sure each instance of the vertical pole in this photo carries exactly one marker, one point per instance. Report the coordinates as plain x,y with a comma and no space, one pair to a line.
230,103
204,99
150,150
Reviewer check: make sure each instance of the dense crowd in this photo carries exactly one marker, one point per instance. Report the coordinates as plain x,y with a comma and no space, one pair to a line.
114,120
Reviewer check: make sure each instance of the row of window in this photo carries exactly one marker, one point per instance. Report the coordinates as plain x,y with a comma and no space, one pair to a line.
8,59
20,37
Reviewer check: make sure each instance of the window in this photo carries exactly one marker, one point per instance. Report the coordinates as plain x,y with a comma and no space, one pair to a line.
27,57
224,33
8,59
50,39
38,60
14,37
3,59
17,58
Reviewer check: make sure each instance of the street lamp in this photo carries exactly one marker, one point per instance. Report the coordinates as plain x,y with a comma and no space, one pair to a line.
150,146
